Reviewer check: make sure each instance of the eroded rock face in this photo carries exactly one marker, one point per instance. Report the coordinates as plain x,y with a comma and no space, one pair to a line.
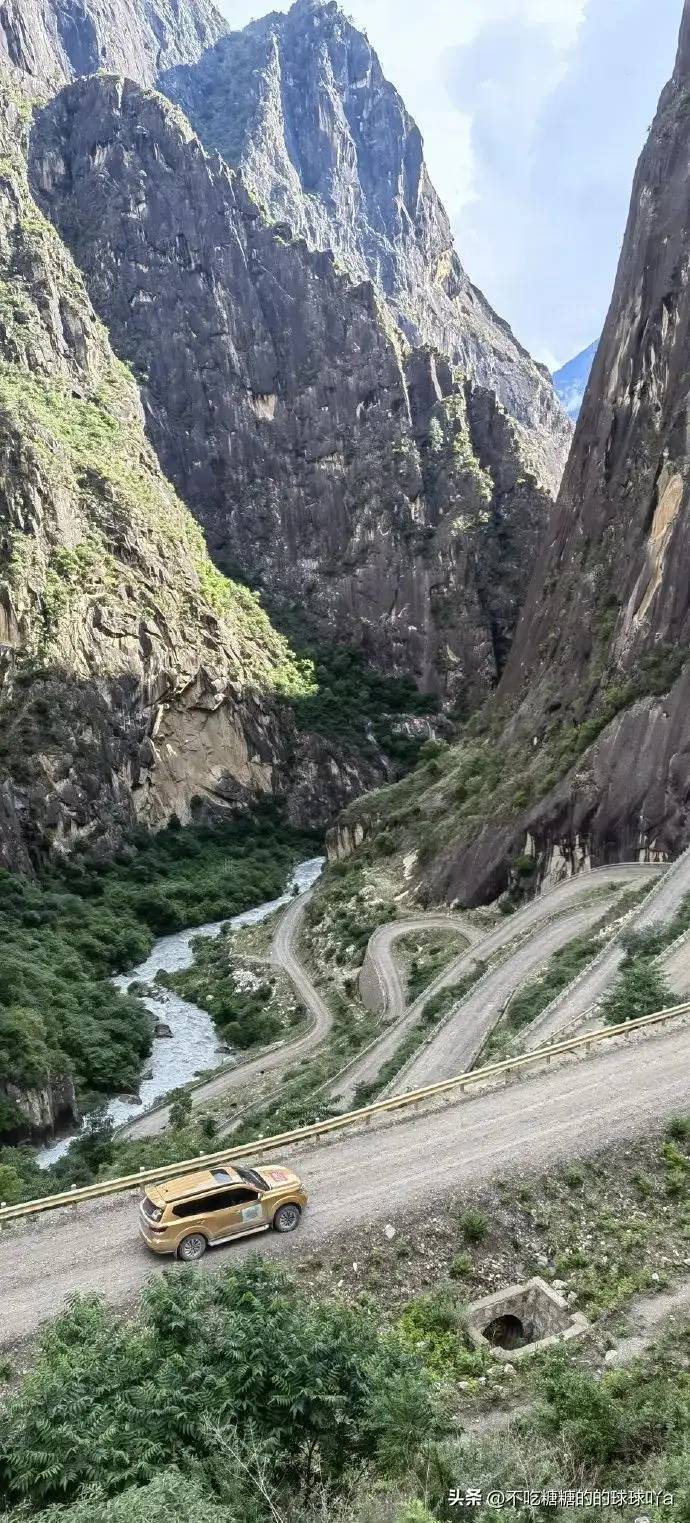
607,617
136,683
51,41
300,103
347,477
39,1110
584,758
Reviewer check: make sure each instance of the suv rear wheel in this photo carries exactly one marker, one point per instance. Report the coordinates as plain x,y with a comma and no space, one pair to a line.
192,1248
287,1218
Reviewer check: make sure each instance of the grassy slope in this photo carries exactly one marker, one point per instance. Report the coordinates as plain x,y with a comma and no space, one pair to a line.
495,772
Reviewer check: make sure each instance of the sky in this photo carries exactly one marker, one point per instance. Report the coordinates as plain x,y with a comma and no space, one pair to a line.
533,114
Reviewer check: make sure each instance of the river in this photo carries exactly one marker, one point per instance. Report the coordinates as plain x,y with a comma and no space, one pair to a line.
195,1044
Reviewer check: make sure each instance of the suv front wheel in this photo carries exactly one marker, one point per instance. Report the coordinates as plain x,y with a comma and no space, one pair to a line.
192,1248
287,1218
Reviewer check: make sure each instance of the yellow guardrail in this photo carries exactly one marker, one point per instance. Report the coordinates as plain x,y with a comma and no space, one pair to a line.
337,1123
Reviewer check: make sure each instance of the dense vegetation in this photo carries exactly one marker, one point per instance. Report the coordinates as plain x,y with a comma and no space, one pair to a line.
62,935
248,1007
256,1393
238,1399
348,700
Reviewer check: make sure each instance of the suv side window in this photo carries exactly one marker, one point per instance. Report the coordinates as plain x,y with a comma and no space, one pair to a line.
201,1203
240,1195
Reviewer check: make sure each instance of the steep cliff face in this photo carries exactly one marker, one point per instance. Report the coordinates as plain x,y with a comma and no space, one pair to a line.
592,716
134,679
51,41
340,473
607,617
620,548
300,102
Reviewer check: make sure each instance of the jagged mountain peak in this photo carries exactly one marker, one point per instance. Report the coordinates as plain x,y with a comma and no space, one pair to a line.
682,66
299,101
336,471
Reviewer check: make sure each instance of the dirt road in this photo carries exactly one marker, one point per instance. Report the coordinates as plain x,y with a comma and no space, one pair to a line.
457,1043
558,902
461,1037
658,909
273,1059
366,1177
380,984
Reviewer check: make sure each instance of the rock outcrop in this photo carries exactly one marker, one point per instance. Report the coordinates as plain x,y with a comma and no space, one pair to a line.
136,682
336,470
51,41
607,618
300,103
36,1112
613,580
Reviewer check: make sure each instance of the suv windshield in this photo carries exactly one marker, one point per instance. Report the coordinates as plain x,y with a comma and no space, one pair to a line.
251,1177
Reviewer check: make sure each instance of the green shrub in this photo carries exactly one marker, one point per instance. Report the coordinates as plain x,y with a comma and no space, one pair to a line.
640,989
180,1108
623,1416
316,1387
474,1225
435,1325
461,1266
525,867
678,1128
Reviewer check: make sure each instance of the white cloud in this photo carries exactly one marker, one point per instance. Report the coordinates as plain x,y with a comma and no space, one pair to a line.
556,133
533,113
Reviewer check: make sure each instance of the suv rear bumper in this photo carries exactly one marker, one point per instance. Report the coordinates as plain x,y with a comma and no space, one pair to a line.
157,1242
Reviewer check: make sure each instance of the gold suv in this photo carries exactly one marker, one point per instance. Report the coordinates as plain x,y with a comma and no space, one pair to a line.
185,1216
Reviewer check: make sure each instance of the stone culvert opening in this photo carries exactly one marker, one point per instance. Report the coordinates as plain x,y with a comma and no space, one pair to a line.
522,1318
506,1332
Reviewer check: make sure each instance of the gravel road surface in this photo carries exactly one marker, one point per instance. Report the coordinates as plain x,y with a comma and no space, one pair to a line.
456,1044
368,1176
659,907
557,902
382,969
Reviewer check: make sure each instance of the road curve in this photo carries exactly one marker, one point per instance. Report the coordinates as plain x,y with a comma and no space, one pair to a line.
658,908
380,984
275,1058
384,968
366,1068
458,1043
367,1177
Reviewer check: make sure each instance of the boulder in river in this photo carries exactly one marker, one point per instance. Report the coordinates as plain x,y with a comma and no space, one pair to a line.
162,1028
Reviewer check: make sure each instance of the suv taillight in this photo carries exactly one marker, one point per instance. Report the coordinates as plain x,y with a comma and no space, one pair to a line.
154,1213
